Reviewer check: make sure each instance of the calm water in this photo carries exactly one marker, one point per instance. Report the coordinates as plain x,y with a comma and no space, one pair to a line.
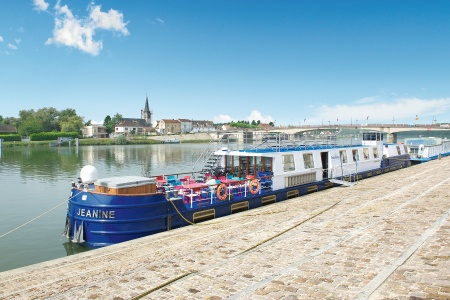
34,181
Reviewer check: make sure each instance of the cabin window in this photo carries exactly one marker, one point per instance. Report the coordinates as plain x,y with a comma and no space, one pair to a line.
343,155
236,166
355,155
375,152
243,166
308,160
398,150
251,166
366,153
229,163
406,148
268,164
288,162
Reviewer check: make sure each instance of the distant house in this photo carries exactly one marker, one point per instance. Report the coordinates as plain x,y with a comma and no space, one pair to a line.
203,126
94,131
7,129
169,126
186,125
130,126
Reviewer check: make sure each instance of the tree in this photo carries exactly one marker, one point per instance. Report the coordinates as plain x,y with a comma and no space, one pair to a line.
110,123
69,121
29,126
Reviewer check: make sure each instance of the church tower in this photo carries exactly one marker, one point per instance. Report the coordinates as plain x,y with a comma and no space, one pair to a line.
146,114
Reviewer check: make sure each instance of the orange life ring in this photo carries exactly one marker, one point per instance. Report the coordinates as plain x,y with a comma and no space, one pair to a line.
222,192
254,186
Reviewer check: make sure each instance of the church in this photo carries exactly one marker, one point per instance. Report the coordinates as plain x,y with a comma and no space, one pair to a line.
136,126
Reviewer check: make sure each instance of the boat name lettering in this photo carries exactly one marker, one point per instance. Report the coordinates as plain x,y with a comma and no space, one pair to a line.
97,213
335,156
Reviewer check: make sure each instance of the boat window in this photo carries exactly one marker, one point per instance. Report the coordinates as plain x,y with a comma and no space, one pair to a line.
375,152
242,166
343,155
259,165
229,163
288,162
236,167
366,153
251,165
406,148
398,150
267,164
355,155
308,160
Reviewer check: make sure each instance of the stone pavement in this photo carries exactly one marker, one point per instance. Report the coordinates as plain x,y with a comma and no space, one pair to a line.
388,237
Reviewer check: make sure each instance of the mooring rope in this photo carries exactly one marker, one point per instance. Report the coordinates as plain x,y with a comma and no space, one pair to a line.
43,214
174,206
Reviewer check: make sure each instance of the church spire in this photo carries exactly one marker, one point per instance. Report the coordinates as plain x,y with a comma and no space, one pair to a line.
146,113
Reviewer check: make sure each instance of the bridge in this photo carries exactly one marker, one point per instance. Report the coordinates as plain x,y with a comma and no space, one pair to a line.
391,130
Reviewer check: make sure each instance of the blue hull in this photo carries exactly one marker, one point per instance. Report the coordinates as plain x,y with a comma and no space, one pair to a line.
97,219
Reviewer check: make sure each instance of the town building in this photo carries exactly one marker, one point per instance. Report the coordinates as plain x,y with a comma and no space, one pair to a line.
203,126
94,131
169,126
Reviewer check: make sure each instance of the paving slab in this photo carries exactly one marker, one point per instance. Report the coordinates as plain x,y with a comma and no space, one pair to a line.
388,237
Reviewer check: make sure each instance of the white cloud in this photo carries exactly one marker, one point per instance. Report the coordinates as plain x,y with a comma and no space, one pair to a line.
366,100
402,110
112,20
1,39
222,119
17,41
11,46
160,21
40,5
78,33
256,115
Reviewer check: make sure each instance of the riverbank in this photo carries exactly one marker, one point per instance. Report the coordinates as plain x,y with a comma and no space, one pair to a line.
137,140
384,238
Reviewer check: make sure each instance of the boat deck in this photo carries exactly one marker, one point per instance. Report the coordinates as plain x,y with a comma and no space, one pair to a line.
385,238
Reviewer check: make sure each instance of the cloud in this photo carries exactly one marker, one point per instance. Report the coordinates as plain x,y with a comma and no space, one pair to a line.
11,46
40,5
112,20
78,33
366,100
222,119
401,110
256,115
160,21
17,41
1,39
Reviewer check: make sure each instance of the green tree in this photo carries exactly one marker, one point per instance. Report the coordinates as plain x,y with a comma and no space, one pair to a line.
69,121
29,126
110,123
49,117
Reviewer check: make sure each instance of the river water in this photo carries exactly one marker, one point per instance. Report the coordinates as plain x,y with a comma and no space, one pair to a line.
35,185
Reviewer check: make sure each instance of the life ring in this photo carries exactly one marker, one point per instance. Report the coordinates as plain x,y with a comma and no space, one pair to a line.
254,186
222,192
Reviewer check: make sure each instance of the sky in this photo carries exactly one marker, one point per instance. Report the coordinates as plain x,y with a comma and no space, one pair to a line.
291,62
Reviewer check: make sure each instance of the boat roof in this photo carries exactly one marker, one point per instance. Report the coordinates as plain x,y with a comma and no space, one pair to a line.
124,181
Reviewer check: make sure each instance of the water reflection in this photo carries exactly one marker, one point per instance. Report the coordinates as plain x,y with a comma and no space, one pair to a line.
72,248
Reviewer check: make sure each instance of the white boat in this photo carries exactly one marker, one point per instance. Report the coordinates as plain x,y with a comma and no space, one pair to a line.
424,149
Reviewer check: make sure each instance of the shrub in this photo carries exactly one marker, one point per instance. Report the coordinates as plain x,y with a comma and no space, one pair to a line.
51,136
10,137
